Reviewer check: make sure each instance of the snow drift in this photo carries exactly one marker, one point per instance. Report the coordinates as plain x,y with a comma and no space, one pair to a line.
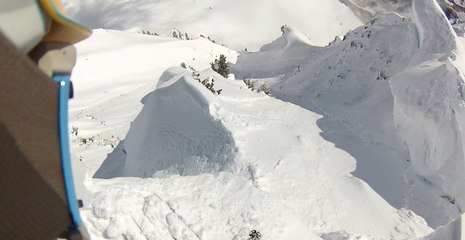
278,57
175,132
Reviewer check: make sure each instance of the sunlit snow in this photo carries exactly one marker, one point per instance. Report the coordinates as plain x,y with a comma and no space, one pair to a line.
361,139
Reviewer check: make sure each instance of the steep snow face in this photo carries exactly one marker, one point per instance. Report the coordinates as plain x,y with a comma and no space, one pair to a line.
429,105
175,133
366,9
355,69
237,24
452,230
368,87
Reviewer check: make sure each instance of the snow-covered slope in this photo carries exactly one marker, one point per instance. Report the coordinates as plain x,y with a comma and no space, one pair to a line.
286,180
429,105
452,230
278,176
336,152
115,70
361,83
237,24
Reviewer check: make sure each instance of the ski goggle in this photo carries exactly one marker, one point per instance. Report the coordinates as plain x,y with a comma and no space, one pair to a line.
63,29
27,22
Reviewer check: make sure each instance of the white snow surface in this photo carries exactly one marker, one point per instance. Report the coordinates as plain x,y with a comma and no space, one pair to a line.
363,86
276,175
452,230
365,10
238,24
429,105
361,139
285,179
163,138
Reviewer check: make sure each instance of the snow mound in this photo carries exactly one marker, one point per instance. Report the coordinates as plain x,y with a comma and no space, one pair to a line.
278,57
172,74
291,38
162,138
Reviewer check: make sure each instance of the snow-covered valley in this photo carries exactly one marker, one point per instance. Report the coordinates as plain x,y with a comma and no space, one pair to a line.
361,139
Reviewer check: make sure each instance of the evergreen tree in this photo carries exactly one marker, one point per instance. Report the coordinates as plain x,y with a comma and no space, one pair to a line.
221,66
255,235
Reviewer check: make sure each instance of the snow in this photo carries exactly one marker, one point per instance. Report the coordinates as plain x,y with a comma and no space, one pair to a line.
287,52
428,105
162,138
104,115
266,192
256,185
239,24
361,139
368,74
343,83
365,10
452,230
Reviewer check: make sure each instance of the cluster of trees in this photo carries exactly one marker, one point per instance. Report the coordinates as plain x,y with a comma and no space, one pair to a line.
260,88
179,35
147,32
221,66
208,83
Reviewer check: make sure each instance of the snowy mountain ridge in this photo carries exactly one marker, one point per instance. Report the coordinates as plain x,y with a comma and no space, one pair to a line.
238,25
363,74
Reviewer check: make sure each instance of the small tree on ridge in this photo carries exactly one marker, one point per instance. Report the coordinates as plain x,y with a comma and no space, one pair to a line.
221,66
